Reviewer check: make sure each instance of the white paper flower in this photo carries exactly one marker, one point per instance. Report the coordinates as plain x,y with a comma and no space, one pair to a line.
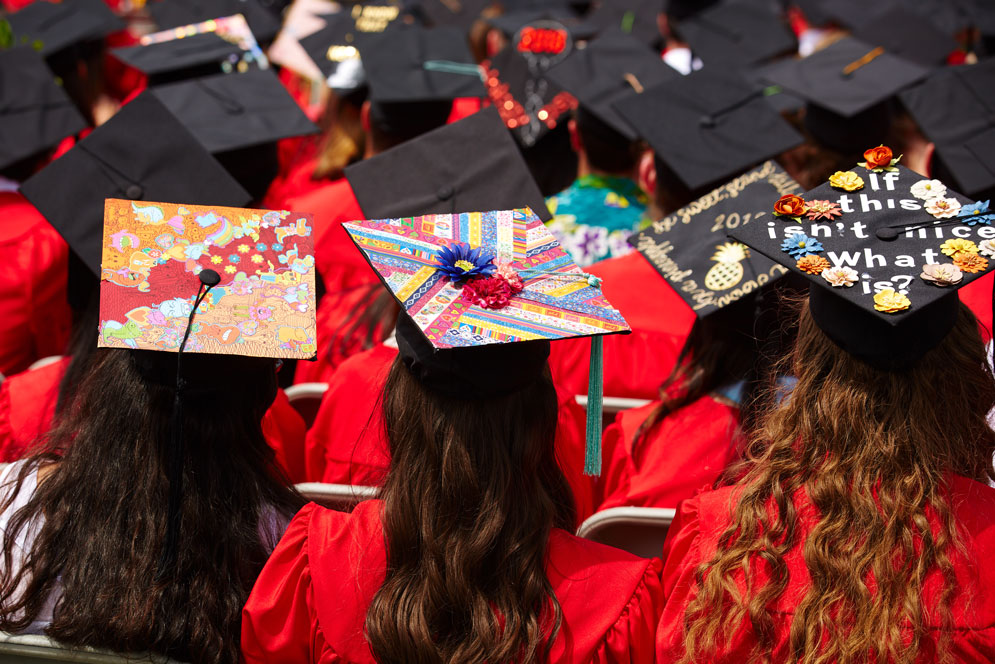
942,275
987,248
927,189
943,208
840,276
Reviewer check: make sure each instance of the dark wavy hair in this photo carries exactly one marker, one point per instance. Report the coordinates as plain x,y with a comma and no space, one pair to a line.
469,502
104,508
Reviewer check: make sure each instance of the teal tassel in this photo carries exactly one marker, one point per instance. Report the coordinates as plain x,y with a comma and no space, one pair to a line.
595,387
450,67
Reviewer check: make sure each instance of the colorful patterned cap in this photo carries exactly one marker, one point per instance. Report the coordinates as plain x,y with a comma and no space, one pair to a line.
154,253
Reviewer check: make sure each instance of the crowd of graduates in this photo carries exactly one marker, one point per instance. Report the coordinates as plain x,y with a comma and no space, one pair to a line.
759,230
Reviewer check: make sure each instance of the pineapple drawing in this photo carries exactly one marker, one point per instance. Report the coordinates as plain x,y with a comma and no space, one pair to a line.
728,269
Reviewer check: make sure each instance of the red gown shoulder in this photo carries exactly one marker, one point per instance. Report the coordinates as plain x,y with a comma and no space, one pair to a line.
310,601
27,408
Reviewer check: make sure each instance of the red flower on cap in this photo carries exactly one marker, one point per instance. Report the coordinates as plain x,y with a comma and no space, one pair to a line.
790,205
880,159
490,293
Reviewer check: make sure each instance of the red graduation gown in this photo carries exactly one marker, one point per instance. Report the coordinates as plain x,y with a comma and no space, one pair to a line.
686,451
310,601
701,521
346,445
33,268
634,364
27,411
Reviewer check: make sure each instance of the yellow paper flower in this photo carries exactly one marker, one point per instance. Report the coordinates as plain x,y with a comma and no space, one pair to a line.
216,260
955,246
230,269
846,180
889,302
256,258
243,248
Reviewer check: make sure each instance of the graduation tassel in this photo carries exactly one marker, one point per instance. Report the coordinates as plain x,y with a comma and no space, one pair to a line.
595,387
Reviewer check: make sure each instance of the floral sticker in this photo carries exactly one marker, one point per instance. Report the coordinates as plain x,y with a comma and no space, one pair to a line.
846,180
977,213
812,264
790,206
943,208
927,189
956,246
969,262
840,277
823,210
799,244
889,301
459,262
880,159
943,275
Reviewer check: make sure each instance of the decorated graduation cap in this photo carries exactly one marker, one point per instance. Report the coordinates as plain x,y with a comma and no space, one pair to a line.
955,108
185,57
487,281
420,64
708,125
691,250
612,68
50,27
176,13
35,113
847,77
737,34
142,153
232,111
884,250
470,164
908,35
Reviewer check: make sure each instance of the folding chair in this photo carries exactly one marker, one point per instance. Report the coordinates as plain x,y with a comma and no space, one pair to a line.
338,497
44,362
306,399
611,406
32,648
638,530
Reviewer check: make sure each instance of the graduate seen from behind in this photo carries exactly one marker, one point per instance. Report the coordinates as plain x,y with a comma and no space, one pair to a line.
143,523
861,523
466,556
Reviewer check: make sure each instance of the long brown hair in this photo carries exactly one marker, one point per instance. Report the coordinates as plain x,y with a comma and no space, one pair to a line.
870,450
470,499
104,510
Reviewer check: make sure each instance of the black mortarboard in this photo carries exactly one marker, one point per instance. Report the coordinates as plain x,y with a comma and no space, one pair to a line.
691,250
185,57
231,111
35,113
948,17
142,153
454,13
50,27
679,10
175,13
908,35
955,108
472,164
709,125
614,67
333,49
846,77
738,34
883,261
417,64
635,17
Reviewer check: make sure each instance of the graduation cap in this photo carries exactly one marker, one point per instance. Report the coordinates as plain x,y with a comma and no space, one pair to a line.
908,35
708,125
612,68
231,111
884,251
690,248
738,34
35,113
142,153
419,64
474,288
460,14
635,17
472,164
847,77
185,57
50,27
333,50
955,108
176,13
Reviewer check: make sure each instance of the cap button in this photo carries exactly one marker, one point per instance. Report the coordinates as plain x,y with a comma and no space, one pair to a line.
886,234
706,121
133,192
445,192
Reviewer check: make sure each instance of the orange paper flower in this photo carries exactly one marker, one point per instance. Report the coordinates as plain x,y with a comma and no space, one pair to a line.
969,262
878,157
790,205
812,264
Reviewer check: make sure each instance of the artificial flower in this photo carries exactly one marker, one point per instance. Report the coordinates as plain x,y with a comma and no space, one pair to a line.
890,302
987,248
812,264
968,262
976,213
790,206
943,208
799,244
927,189
460,262
880,159
941,275
955,246
840,276
846,180
823,210
492,292
514,279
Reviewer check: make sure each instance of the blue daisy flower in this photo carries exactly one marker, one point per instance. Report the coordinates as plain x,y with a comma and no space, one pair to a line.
459,262
234,258
276,247
977,213
799,244
261,247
